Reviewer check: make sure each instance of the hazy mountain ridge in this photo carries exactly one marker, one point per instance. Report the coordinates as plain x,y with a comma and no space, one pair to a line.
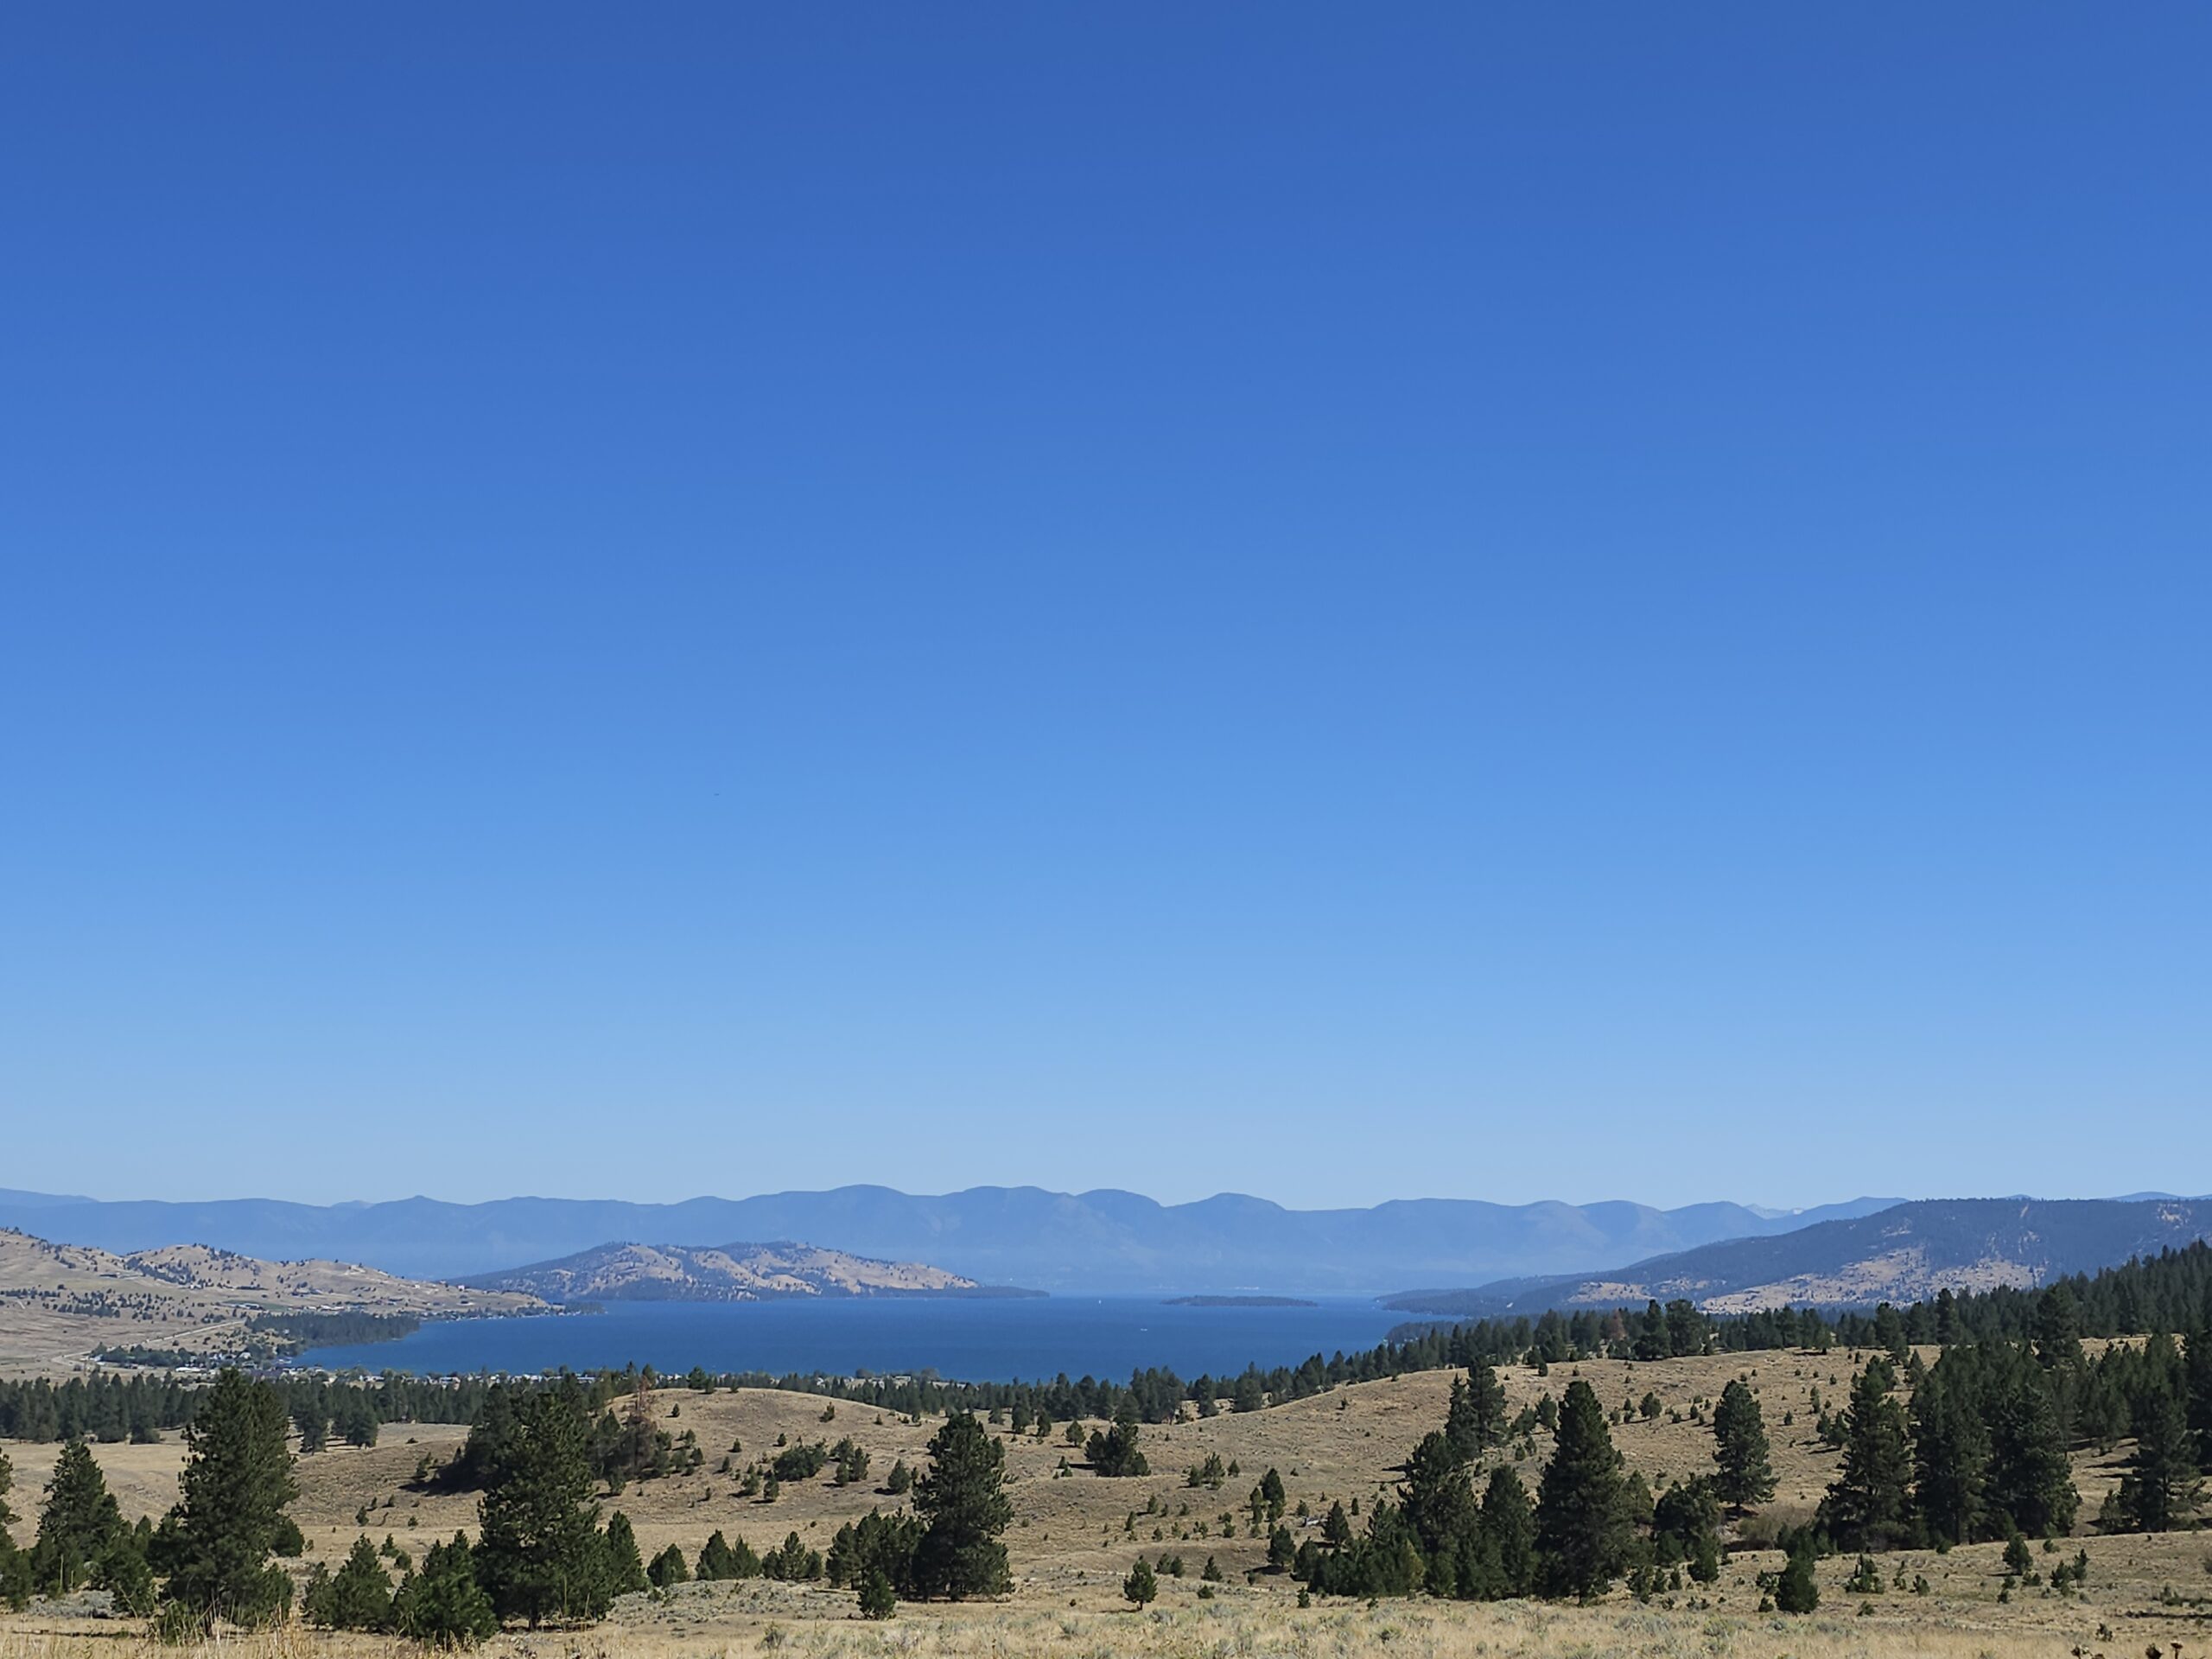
1898,1254
1105,1240
726,1273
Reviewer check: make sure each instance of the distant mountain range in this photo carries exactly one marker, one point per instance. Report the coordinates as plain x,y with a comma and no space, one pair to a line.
1103,1240
728,1272
1897,1254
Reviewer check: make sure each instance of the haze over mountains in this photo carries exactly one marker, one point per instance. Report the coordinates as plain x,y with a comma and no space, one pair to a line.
1105,1241
1898,1254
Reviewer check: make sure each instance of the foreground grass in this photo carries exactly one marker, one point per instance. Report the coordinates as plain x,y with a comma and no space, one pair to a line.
1415,1630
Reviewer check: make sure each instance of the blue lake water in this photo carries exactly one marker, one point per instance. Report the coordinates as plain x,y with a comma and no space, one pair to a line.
984,1340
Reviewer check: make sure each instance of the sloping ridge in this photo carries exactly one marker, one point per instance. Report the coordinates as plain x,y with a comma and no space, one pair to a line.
721,1273
1899,1255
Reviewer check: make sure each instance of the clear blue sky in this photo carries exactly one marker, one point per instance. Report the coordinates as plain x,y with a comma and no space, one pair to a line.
1337,602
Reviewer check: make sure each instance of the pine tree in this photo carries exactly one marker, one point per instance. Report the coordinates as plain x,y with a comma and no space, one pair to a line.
1336,1530
443,1605
15,1564
539,1554
2031,1478
668,1567
1581,1541
1486,1405
1795,1592
1508,1525
2198,1374
79,1529
625,1567
878,1598
236,1479
717,1560
360,1595
1436,1497
1950,1454
1741,1448
1869,1505
1141,1586
962,1498
2162,1487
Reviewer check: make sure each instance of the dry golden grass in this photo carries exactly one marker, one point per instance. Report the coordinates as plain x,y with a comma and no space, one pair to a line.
743,1625
1075,1536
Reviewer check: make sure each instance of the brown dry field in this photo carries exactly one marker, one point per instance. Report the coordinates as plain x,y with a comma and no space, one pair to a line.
1071,1541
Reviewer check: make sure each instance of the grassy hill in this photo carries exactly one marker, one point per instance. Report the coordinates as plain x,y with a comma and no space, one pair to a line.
59,1302
1075,1535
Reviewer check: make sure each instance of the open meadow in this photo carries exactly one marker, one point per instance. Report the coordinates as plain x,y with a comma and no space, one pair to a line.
1076,1534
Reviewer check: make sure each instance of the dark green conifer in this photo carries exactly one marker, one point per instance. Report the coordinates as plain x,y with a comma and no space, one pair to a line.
236,1479
1581,1541
626,1567
539,1554
442,1605
1741,1448
1869,1506
963,1499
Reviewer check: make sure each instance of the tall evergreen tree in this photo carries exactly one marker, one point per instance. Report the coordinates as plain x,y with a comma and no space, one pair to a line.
2163,1485
2198,1372
15,1563
539,1554
1475,1420
1869,1505
1509,1524
1437,1497
236,1480
1581,1537
1741,1448
2030,1478
80,1529
962,1498
1950,1453
626,1567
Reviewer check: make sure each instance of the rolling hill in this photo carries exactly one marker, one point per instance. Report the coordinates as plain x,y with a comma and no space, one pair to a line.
1104,1241
726,1273
1898,1254
61,1301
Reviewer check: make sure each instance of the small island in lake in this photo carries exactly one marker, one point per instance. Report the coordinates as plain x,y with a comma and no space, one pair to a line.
1239,1302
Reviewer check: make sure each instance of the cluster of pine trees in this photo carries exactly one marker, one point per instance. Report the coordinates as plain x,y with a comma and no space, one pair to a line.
1982,1451
1590,1522
1978,1451
210,1555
